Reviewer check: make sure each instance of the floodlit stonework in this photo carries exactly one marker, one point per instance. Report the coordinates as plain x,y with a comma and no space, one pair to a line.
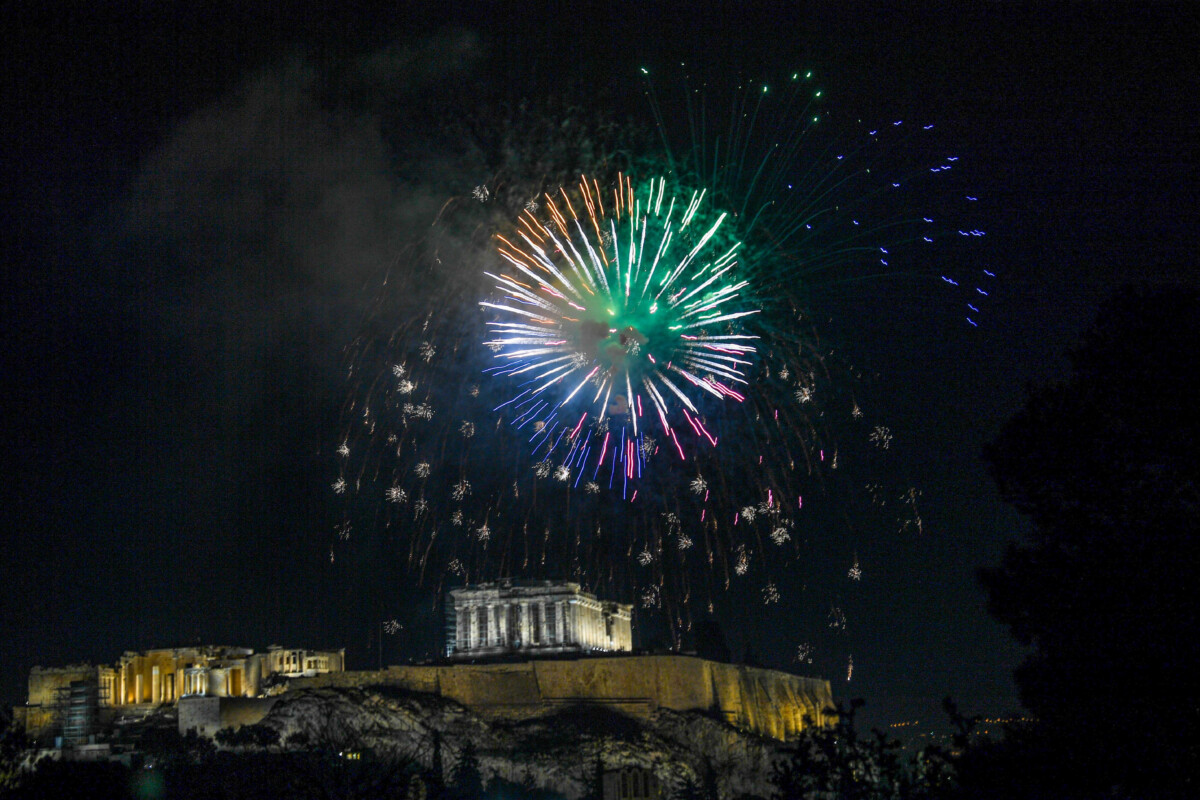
220,687
164,676
766,702
533,617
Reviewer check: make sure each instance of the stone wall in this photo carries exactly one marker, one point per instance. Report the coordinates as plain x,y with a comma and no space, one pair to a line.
207,715
44,682
766,702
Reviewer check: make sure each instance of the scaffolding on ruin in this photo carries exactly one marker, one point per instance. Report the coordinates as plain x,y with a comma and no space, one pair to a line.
77,709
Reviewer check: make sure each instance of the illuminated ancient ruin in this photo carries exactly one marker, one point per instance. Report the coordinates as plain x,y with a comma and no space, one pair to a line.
533,617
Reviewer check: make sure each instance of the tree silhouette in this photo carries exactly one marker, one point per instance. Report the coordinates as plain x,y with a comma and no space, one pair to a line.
468,780
1106,465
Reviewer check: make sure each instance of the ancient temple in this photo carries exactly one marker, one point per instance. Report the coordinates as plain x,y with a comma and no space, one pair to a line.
164,676
533,617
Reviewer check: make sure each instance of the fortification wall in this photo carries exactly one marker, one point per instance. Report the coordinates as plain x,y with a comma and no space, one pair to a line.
207,715
44,682
762,701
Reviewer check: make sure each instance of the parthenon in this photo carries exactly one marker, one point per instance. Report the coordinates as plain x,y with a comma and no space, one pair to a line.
541,617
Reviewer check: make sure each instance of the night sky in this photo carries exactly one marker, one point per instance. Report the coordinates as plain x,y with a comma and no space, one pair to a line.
188,234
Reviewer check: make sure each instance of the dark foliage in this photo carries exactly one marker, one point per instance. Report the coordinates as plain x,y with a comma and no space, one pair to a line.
1106,465
838,762
467,782
13,744
255,736
66,780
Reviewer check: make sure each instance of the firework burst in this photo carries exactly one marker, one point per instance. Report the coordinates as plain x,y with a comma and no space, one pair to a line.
658,414
622,312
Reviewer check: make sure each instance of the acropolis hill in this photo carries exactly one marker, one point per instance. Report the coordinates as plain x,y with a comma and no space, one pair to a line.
586,643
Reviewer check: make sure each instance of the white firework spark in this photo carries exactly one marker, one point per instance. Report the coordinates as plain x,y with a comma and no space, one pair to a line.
770,594
542,469
456,518
913,521
422,411
422,470
804,653
343,450
483,532
644,558
481,193
698,485
562,474
461,489
837,619
591,487
881,437
780,535
742,563
398,370
467,429
748,513
396,494
855,573
339,486
427,351
684,541
405,386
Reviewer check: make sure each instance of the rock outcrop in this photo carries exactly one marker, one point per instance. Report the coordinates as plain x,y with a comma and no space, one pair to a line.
556,751
763,701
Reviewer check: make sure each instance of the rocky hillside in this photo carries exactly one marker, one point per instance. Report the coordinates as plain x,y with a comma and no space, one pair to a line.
557,752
